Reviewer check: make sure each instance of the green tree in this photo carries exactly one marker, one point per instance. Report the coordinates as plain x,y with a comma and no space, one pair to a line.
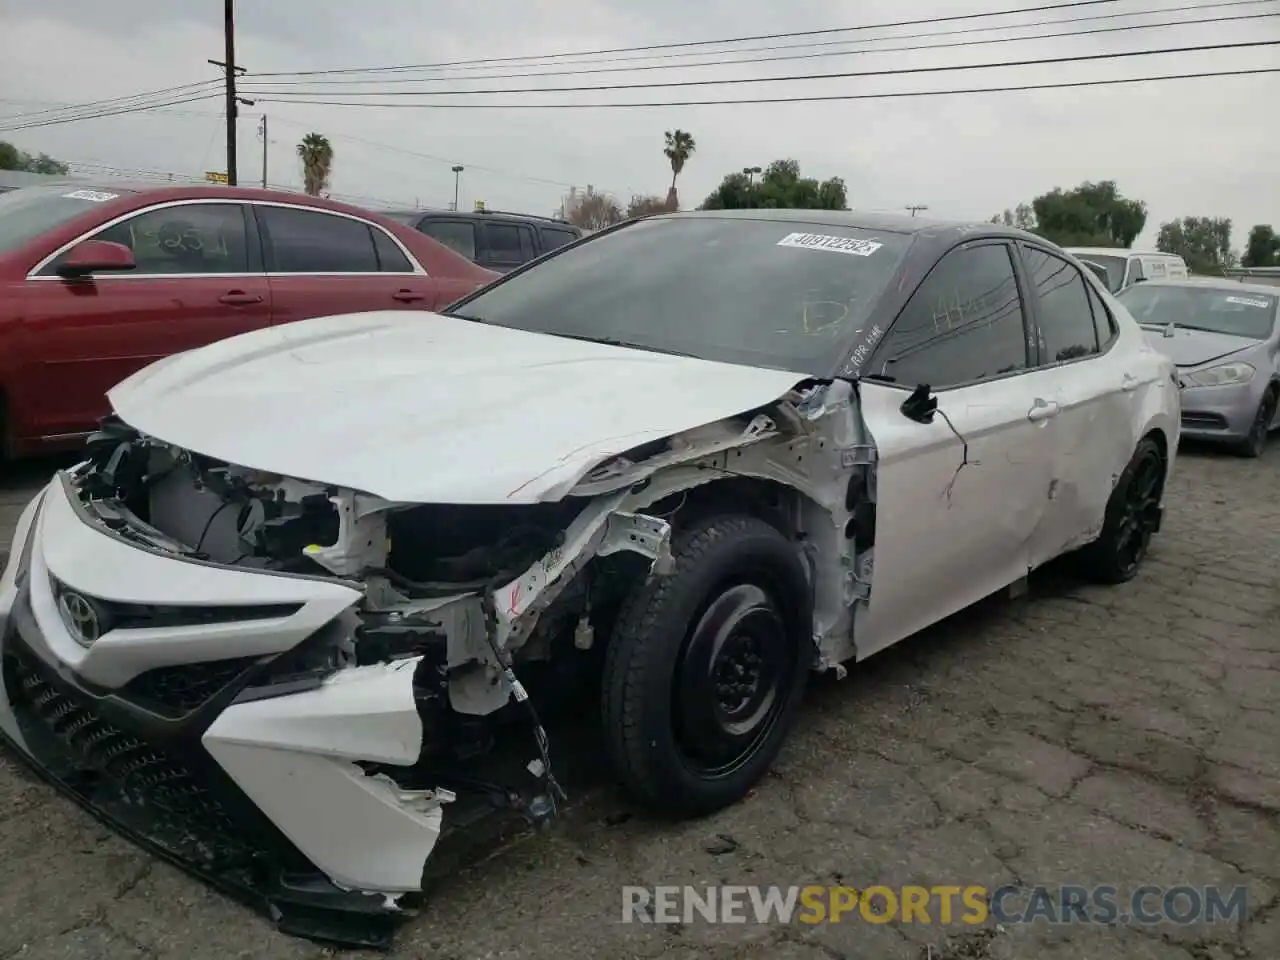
1090,215
1263,248
679,148
1022,217
11,158
1204,242
779,187
316,154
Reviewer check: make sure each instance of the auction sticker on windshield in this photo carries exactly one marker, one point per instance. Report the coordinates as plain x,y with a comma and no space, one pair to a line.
822,241
95,195
1247,302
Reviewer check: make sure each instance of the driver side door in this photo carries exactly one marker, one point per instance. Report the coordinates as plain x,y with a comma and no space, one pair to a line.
958,497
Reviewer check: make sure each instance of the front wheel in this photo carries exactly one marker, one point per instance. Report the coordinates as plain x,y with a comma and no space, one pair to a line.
1132,518
1256,442
707,666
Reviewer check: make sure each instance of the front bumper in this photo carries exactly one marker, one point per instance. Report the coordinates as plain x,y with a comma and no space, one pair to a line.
1223,414
168,734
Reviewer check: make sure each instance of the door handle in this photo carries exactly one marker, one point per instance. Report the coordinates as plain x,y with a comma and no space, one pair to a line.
1043,410
239,298
1128,383
408,296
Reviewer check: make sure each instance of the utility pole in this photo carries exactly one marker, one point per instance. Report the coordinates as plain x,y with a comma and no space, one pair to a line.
915,208
457,175
230,70
264,151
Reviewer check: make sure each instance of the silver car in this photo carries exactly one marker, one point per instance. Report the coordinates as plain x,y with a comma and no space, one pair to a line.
1223,336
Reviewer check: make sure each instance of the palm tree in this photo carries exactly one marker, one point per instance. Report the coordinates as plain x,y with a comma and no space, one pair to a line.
679,149
316,153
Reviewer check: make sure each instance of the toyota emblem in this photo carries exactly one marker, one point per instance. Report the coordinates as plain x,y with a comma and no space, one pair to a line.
80,617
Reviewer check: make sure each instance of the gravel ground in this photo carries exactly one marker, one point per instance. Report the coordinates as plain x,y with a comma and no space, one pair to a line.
1078,735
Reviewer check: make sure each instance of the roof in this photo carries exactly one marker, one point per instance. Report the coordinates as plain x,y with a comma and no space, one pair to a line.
1226,284
855,219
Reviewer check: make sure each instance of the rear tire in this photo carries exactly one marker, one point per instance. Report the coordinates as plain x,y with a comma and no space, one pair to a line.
1132,518
707,666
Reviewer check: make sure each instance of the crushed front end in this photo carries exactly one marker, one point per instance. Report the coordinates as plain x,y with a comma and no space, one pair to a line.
277,685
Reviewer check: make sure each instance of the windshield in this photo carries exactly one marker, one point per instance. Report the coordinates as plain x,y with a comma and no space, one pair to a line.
27,213
1113,265
785,295
1216,309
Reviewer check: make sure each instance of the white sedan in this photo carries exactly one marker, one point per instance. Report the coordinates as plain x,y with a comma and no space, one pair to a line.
306,573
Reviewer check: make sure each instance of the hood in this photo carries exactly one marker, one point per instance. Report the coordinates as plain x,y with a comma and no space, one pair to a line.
417,407
1191,348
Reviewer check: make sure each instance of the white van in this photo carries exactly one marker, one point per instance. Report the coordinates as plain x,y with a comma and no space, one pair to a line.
1125,267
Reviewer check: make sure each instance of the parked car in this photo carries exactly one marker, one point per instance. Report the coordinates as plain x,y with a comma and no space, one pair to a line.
1223,336
98,280
494,239
309,571
1127,267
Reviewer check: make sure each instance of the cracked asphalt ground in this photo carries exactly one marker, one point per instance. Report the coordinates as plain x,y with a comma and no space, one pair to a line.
1078,735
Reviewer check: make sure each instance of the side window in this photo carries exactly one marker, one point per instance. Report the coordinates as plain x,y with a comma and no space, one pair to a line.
963,324
503,241
187,238
1135,271
553,237
391,258
1066,319
1103,322
458,235
307,241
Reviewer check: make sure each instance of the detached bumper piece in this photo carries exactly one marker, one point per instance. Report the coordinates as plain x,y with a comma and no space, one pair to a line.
146,775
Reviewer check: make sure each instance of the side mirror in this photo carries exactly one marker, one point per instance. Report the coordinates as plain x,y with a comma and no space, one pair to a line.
96,256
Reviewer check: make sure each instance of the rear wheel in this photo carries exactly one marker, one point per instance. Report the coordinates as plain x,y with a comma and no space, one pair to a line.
1259,432
1132,518
707,666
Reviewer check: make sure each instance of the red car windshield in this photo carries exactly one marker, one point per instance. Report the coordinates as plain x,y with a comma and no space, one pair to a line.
31,211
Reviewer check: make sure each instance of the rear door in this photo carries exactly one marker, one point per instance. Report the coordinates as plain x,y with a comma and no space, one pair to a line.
322,263
506,244
958,497
1094,389
198,279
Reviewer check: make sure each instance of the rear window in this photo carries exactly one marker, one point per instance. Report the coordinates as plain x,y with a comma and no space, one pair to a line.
32,211
553,237
1241,313
791,296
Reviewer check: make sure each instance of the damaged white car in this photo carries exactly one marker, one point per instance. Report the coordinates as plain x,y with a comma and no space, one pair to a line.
303,575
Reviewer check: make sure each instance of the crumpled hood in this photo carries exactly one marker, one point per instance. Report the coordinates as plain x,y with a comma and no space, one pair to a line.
1190,348
417,407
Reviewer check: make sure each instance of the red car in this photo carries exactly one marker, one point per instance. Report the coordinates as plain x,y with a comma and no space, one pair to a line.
97,281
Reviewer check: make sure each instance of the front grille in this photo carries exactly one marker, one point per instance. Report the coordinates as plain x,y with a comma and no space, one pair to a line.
1205,421
181,690
186,811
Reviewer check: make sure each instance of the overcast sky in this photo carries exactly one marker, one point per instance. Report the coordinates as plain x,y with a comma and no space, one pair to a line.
1208,147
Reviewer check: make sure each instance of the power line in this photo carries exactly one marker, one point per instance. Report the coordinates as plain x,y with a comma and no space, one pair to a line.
108,113
721,81
1042,8
848,53
128,100
795,99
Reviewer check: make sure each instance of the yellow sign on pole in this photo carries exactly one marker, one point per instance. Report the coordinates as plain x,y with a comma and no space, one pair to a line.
479,206
213,176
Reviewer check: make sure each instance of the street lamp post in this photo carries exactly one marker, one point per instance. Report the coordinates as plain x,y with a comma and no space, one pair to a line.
750,172
457,175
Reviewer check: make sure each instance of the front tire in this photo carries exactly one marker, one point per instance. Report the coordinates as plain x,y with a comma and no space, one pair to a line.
707,667
1254,445
1132,518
